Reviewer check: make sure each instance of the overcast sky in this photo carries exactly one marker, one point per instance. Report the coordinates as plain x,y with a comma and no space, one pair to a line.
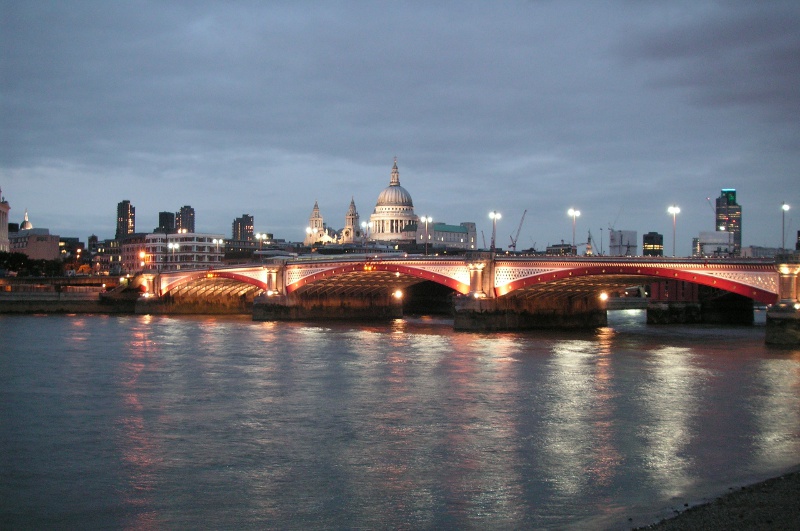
618,109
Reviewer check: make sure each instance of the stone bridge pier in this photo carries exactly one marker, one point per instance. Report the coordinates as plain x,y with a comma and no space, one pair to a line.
783,318
483,310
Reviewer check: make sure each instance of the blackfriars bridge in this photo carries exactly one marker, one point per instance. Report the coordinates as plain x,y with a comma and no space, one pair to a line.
491,292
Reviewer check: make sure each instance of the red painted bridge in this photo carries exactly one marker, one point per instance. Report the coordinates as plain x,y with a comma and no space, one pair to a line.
477,275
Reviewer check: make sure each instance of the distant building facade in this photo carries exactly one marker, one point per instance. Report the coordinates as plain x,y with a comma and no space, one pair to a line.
126,219
172,252
184,219
622,243
37,244
729,218
166,223
242,228
653,244
717,243
5,208
442,235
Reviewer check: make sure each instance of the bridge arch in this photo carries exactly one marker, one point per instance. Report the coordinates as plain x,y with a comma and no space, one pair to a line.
590,276
212,277
393,273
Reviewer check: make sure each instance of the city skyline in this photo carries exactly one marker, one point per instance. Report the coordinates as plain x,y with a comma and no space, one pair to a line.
616,109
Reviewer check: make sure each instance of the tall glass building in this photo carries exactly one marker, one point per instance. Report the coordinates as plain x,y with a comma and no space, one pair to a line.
126,219
729,218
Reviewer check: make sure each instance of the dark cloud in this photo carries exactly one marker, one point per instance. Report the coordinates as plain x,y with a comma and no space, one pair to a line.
266,107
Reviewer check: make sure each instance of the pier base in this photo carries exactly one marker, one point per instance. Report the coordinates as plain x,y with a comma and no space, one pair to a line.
326,307
486,315
783,325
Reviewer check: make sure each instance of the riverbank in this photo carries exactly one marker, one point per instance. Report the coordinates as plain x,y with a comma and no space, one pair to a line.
771,504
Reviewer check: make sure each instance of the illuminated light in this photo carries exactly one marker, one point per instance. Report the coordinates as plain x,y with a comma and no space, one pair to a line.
604,296
270,293
397,274
797,306
398,294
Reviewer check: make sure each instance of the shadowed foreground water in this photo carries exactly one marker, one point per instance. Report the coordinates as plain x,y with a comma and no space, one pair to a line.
162,422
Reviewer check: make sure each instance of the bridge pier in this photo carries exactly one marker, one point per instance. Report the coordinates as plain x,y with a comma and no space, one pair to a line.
283,307
509,313
783,318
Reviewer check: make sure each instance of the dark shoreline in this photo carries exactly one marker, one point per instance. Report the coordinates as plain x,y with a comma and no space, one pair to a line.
770,504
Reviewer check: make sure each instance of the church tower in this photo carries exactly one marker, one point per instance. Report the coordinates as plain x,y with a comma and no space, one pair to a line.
351,231
316,227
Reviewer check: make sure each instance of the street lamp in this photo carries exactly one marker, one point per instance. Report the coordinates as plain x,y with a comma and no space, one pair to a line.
365,232
784,208
261,237
494,215
173,247
217,242
574,213
674,210
426,220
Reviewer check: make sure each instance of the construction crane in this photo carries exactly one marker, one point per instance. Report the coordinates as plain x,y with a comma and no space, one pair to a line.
588,244
514,239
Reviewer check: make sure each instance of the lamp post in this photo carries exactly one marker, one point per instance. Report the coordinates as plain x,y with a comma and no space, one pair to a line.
784,208
217,242
173,246
364,227
426,219
494,215
674,210
574,213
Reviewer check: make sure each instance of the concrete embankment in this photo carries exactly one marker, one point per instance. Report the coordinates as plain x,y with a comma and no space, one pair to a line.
63,303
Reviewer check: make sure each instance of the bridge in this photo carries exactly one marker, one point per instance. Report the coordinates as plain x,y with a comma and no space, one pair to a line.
491,292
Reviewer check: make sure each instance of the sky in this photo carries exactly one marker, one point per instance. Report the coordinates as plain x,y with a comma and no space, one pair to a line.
618,109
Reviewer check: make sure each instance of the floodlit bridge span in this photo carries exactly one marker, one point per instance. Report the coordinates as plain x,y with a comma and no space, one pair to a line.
492,292
512,277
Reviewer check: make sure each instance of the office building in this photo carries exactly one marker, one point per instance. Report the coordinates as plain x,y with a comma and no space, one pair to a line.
729,218
4,210
653,244
166,223
184,219
126,219
242,228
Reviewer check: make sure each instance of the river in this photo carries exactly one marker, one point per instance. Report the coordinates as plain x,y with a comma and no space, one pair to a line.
146,422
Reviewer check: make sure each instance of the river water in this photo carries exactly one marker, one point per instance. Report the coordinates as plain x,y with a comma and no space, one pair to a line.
194,422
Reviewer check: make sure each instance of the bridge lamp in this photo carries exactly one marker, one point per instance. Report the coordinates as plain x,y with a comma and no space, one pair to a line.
574,214
674,210
426,220
494,216
604,296
398,294
784,208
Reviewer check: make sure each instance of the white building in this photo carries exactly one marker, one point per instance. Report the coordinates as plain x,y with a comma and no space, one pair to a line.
622,243
442,235
173,252
393,218
715,243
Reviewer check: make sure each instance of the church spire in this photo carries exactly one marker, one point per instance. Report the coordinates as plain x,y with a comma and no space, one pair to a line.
395,181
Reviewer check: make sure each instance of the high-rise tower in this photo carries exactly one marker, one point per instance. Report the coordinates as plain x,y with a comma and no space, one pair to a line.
126,219
729,218
184,219
243,228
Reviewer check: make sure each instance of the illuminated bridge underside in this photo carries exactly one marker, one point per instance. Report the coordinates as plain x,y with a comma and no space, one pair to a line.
547,281
214,288
372,278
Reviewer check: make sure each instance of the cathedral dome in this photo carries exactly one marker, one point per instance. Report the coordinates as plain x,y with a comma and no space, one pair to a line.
394,194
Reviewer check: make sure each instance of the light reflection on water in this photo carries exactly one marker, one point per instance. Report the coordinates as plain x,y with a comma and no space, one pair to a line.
152,422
